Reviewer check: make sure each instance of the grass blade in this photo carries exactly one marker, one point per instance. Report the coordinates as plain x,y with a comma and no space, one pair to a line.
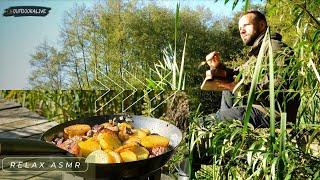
273,167
271,95
175,48
247,4
254,82
182,64
283,132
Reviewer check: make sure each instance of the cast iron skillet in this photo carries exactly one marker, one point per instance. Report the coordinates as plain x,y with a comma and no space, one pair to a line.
129,169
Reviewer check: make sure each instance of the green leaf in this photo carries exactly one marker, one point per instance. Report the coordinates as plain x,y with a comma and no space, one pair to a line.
250,153
288,177
235,4
234,133
177,20
265,163
247,5
311,138
283,132
182,65
316,175
150,84
273,167
258,170
271,92
308,169
315,36
255,79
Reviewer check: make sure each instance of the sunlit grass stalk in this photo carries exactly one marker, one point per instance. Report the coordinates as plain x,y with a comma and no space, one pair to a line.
181,83
314,68
246,5
170,68
191,147
282,152
271,93
174,67
283,132
254,82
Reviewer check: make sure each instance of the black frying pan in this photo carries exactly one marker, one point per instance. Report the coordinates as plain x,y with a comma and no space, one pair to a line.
128,169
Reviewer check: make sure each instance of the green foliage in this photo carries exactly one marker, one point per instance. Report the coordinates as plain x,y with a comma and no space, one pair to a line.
56,104
65,105
164,75
263,155
253,159
297,21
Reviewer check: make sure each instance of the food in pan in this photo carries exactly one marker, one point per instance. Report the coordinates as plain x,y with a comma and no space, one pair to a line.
77,130
114,141
154,141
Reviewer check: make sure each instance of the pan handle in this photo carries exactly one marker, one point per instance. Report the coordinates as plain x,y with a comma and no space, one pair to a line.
20,146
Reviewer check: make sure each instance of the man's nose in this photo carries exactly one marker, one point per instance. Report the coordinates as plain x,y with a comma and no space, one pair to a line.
242,31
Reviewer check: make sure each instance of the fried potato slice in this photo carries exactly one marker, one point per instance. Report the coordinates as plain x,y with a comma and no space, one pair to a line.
109,140
132,140
128,156
139,133
127,146
154,141
116,158
147,131
141,152
88,146
77,130
99,156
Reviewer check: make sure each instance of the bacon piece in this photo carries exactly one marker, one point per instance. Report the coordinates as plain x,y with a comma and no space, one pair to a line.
156,151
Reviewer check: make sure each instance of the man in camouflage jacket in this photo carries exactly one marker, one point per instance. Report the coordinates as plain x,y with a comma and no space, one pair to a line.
252,28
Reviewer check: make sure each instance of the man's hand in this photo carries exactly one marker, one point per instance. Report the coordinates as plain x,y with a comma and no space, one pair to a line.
213,59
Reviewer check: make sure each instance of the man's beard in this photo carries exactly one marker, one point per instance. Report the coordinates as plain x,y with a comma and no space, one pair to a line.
252,39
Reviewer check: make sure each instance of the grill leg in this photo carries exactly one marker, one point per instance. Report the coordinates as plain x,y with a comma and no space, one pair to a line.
156,175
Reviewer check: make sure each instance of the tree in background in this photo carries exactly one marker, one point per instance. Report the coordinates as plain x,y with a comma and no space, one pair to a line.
49,68
76,44
116,37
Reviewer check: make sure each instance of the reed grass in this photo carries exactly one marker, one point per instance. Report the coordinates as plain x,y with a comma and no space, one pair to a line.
168,73
263,154
255,80
271,90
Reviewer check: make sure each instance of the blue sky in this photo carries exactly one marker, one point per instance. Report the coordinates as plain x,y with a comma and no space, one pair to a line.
19,36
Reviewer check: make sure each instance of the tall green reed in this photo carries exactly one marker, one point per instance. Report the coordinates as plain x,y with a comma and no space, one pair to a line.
169,75
255,80
271,90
